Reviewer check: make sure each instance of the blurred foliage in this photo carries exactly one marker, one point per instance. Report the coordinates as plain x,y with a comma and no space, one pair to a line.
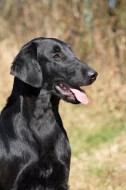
89,139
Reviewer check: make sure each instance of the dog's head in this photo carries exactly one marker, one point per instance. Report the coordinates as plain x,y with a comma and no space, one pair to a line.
50,64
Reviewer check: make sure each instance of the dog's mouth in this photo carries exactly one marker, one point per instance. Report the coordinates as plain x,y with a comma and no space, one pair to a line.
73,93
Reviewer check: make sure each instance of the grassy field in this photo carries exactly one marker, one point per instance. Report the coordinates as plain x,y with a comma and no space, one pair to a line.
98,149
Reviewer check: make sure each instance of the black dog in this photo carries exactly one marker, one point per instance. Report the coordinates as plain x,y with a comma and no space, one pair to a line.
34,148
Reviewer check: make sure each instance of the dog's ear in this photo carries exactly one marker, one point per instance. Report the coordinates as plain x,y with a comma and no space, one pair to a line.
26,67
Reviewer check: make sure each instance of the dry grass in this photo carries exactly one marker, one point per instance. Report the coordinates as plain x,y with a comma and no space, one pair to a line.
96,164
98,148
104,169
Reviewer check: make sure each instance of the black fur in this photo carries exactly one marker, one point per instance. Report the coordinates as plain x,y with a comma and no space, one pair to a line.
34,147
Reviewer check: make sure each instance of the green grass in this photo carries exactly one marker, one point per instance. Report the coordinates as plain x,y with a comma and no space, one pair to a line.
105,134
87,139
94,170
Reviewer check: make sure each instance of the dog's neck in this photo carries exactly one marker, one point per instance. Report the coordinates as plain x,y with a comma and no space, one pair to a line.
35,100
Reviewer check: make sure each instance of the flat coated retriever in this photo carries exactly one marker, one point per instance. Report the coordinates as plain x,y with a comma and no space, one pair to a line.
34,147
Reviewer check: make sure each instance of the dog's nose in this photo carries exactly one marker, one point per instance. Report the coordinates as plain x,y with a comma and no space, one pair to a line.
92,75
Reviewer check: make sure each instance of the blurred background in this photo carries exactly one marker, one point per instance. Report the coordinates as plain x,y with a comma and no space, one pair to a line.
96,31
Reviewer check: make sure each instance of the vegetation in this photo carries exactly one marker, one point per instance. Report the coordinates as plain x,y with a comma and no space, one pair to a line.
97,32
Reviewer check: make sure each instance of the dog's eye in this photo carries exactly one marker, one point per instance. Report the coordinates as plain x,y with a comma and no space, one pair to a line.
56,56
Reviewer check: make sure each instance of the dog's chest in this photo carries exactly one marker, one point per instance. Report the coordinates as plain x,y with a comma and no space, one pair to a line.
50,136
44,146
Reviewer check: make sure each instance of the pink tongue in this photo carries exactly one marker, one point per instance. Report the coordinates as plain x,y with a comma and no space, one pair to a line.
80,95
